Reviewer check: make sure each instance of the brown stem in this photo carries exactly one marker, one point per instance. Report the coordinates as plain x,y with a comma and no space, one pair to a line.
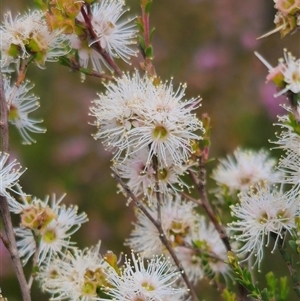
161,234
294,105
96,45
148,66
158,196
4,209
201,186
34,263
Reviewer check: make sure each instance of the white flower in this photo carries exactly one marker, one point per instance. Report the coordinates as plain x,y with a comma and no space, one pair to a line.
9,175
50,224
20,105
76,276
137,114
154,281
262,212
141,176
204,243
288,140
115,111
113,36
27,35
289,68
178,219
211,243
245,168
289,165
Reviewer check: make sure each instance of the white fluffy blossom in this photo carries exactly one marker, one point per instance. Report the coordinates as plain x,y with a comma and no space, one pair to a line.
136,114
9,174
45,227
114,36
262,212
289,165
205,243
20,105
27,35
245,168
178,219
141,177
154,280
76,276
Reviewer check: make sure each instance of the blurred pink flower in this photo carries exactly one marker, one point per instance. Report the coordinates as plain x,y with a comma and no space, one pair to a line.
249,40
211,57
72,150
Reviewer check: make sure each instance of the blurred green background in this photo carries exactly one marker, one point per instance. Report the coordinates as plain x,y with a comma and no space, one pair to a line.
207,44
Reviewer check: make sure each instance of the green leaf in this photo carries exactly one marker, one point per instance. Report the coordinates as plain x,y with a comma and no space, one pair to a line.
283,289
272,282
151,33
293,245
140,25
63,60
141,41
148,7
149,51
264,294
228,296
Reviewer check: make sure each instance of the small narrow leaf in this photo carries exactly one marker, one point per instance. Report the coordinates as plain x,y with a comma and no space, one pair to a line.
149,51
148,7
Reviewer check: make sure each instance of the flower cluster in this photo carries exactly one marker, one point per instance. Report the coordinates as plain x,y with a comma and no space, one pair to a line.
243,169
76,275
85,275
141,120
155,281
28,36
45,228
184,229
114,37
263,213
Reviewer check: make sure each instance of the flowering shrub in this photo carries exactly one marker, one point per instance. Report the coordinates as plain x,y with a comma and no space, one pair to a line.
160,151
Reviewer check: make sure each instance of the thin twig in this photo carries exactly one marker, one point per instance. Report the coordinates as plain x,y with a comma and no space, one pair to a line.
161,234
188,197
200,183
34,261
201,186
4,209
157,190
76,67
294,104
148,66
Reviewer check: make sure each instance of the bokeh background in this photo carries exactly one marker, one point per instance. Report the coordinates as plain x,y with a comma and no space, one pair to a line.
207,44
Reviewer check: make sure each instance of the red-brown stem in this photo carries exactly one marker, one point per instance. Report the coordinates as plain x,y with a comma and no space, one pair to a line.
149,68
96,45
201,187
161,234
158,195
294,105
10,241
